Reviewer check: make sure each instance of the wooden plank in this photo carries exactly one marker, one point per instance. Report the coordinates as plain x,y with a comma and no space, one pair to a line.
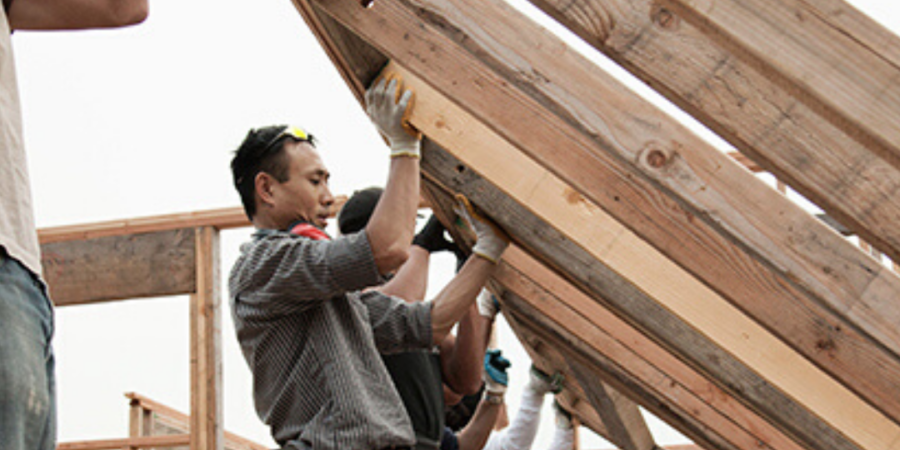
605,242
222,219
133,442
206,346
181,421
120,267
803,98
790,272
620,354
622,418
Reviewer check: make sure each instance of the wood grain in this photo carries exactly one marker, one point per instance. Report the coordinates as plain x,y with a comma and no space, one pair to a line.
120,267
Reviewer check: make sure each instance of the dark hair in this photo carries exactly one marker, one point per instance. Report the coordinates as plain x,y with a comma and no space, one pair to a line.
358,209
261,151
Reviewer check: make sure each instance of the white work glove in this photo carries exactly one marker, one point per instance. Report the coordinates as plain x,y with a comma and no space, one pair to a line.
487,304
389,111
491,241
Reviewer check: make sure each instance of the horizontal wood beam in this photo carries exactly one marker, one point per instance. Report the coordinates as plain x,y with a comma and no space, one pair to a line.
120,267
749,244
175,440
808,90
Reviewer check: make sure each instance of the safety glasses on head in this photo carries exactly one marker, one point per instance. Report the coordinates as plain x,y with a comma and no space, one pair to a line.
296,133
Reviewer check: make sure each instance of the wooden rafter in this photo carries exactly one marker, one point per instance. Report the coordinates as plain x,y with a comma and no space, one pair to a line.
720,223
808,90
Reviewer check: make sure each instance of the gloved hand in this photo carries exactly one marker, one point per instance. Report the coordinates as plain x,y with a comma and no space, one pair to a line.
495,376
431,237
491,241
389,111
542,383
488,306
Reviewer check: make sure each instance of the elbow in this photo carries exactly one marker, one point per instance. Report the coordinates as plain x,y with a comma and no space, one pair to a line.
390,259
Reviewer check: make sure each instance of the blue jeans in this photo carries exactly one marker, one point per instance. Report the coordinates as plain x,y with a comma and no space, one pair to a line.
27,381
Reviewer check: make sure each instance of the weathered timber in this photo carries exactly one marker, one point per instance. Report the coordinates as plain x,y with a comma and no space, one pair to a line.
622,418
804,88
206,346
787,270
120,267
619,353
593,275
127,443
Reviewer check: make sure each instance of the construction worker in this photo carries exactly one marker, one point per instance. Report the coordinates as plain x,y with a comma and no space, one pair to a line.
308,330
27,375
421,375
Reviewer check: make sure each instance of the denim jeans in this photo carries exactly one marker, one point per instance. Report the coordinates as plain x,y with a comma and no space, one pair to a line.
27,381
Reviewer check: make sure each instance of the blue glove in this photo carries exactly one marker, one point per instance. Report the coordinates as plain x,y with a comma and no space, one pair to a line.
495,377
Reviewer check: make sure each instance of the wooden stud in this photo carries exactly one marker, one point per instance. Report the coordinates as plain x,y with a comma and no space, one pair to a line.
206,349
135,442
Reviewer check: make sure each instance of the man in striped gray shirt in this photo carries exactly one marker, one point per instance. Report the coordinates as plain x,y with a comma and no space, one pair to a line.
309,332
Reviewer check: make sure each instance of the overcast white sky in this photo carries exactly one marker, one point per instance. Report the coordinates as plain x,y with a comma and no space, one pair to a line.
142,121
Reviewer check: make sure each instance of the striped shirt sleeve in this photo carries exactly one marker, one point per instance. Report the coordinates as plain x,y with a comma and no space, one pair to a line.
285,270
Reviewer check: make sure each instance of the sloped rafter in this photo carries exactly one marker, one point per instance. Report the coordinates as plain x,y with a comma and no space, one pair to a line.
807,89
796,276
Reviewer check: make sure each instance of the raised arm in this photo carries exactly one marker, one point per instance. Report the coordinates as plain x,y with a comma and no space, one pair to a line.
391,228
75,14
455,299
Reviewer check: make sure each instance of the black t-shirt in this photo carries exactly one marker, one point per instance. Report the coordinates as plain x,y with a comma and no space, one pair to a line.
417,377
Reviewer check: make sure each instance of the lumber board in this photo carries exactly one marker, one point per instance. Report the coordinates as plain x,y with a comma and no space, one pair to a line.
222,219
622,418
796,97
797,277
782,367
620,354
206,346
127,443
181,421
120,267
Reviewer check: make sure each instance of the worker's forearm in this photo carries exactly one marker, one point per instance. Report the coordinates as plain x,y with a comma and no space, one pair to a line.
393,223
454,300
476,433
465,361
411,281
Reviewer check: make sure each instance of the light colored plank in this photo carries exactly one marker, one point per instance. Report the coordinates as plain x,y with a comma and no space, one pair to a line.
570,321
607,240
790,272
120,267
206,346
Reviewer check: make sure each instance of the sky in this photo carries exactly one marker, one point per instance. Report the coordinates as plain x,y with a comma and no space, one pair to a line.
142,121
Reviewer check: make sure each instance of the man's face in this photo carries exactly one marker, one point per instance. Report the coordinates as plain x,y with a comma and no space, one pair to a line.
305,194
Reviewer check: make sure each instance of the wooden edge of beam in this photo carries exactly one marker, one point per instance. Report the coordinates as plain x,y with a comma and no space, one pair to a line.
168,412
174,440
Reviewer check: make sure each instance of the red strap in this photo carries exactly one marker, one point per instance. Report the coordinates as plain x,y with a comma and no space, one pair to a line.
310,231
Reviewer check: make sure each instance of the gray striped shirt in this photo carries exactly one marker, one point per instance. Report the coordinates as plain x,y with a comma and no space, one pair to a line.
312,341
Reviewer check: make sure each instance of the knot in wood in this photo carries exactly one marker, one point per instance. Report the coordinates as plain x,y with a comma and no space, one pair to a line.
664,18
656,158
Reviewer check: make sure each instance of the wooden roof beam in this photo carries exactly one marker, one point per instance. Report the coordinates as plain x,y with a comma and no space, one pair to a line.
809,90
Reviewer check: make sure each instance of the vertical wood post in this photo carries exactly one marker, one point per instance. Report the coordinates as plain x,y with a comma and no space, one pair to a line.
206,349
